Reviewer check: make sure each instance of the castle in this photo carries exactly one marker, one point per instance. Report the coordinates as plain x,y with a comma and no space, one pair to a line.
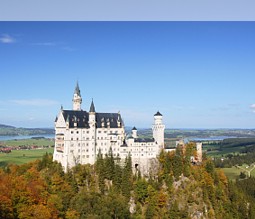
81,135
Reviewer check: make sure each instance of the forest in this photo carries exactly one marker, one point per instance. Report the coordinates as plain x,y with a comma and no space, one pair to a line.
175,188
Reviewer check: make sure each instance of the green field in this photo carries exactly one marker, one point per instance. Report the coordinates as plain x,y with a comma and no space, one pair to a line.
234,172
22,156
29,142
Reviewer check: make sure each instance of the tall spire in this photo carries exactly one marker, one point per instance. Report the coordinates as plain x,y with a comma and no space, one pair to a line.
92,107
77,100
77,89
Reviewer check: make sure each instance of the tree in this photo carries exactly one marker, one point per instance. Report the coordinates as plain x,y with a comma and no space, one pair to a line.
127,177
177,167
242,175
141,191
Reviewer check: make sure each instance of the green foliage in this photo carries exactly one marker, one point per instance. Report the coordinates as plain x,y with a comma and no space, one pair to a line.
242,175
177,167
141,190
127,178
41,189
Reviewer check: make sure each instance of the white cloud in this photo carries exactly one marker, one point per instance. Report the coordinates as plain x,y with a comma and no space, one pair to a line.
35,102
44,44
6,38
253,107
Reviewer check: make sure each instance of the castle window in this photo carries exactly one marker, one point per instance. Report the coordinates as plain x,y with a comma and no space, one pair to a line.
87,156
83,156
71,139
87,144
87,150
99,131
87,132
71,151
77,139
71,132
77,132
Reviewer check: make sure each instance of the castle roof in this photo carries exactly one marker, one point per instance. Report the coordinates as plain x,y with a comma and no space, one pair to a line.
158,114
77,90
141,140
92,107
82,119
134,129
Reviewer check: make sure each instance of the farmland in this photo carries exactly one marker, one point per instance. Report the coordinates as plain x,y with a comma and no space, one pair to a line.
25,150
22,156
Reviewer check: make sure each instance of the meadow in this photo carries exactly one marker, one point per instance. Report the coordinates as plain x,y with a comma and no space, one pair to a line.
29,142
22,156
233,173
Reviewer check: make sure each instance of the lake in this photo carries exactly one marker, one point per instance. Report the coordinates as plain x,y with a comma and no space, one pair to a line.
6,137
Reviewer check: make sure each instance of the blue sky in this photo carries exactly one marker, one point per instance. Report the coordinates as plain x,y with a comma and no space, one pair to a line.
197,74
131,10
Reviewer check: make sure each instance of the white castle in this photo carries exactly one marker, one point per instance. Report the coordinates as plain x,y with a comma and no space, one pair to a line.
81,135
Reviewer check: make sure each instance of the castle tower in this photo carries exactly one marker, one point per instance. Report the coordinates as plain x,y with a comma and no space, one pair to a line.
77,100
158,129
92,125
199,146
134,132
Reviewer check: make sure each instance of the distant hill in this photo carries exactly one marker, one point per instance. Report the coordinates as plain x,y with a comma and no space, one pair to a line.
12,131
6,126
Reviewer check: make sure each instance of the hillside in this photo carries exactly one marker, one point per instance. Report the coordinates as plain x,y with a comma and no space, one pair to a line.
12,131
174,189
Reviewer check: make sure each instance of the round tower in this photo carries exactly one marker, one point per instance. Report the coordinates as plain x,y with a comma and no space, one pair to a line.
158,129
77,100
134,132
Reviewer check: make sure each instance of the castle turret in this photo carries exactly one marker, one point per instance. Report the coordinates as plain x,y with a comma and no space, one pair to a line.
134,132
158,129
77,100
92,125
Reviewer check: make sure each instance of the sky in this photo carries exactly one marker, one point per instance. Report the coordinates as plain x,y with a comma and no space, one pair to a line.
135,10
197,74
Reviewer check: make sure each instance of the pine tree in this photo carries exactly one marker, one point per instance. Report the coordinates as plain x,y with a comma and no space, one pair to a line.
177,167
127,177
